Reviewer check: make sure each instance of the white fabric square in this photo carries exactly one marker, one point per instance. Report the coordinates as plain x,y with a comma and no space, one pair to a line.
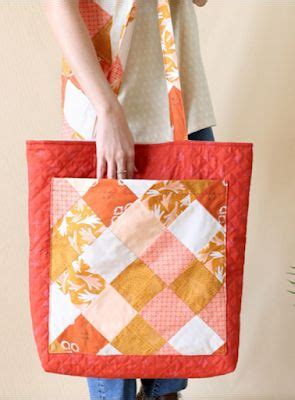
107,255
138,186
107,350
82,185
62,311
196,337
195,226
79,112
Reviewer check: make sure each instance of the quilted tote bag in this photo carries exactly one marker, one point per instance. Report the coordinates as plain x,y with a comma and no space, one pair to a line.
142,277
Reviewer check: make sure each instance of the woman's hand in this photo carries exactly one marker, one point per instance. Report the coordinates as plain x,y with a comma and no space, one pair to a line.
114,144
200,3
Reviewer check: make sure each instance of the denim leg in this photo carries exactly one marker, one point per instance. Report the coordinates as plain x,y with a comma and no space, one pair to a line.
158,387
205,134
111,389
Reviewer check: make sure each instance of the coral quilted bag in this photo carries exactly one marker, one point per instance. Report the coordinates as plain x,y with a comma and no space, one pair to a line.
139,278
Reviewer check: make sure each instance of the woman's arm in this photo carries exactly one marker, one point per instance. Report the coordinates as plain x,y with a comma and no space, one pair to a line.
114,141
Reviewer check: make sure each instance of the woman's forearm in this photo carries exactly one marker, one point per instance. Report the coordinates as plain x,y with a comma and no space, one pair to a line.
114,140
72,35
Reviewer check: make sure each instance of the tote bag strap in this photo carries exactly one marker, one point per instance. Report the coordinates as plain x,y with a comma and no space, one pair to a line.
170,62
176,106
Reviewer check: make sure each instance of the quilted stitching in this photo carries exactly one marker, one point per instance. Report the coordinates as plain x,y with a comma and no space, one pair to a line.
178,160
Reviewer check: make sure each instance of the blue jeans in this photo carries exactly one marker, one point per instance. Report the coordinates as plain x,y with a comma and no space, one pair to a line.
125,389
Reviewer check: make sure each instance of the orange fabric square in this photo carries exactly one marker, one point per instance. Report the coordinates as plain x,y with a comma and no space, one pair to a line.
214,200
80,337
109,199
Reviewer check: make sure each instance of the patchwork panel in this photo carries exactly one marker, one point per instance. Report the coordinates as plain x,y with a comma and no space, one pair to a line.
138,267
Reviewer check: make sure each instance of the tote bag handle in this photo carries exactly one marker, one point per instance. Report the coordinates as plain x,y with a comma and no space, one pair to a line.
170,63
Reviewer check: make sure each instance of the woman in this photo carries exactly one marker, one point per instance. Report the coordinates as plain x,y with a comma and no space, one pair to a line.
114,92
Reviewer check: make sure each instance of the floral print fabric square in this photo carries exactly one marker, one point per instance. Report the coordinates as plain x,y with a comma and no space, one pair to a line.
138,267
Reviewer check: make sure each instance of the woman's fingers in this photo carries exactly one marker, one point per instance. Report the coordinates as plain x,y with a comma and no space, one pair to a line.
100,166
130,165
121,166
111,168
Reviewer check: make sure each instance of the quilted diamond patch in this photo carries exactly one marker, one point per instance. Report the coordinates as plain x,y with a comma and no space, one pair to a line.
138,267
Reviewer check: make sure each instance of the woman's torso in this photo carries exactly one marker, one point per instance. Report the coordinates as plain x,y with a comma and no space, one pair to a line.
143,90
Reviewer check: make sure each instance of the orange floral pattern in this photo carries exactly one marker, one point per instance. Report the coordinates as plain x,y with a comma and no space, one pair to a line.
213,256
168,199
82,284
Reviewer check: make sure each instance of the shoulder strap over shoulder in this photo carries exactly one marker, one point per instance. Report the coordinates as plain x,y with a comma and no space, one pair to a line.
177,113
170,62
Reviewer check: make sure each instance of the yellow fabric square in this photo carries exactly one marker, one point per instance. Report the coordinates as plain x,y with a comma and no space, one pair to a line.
197,186
62,254
138,338
196,286
138,284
